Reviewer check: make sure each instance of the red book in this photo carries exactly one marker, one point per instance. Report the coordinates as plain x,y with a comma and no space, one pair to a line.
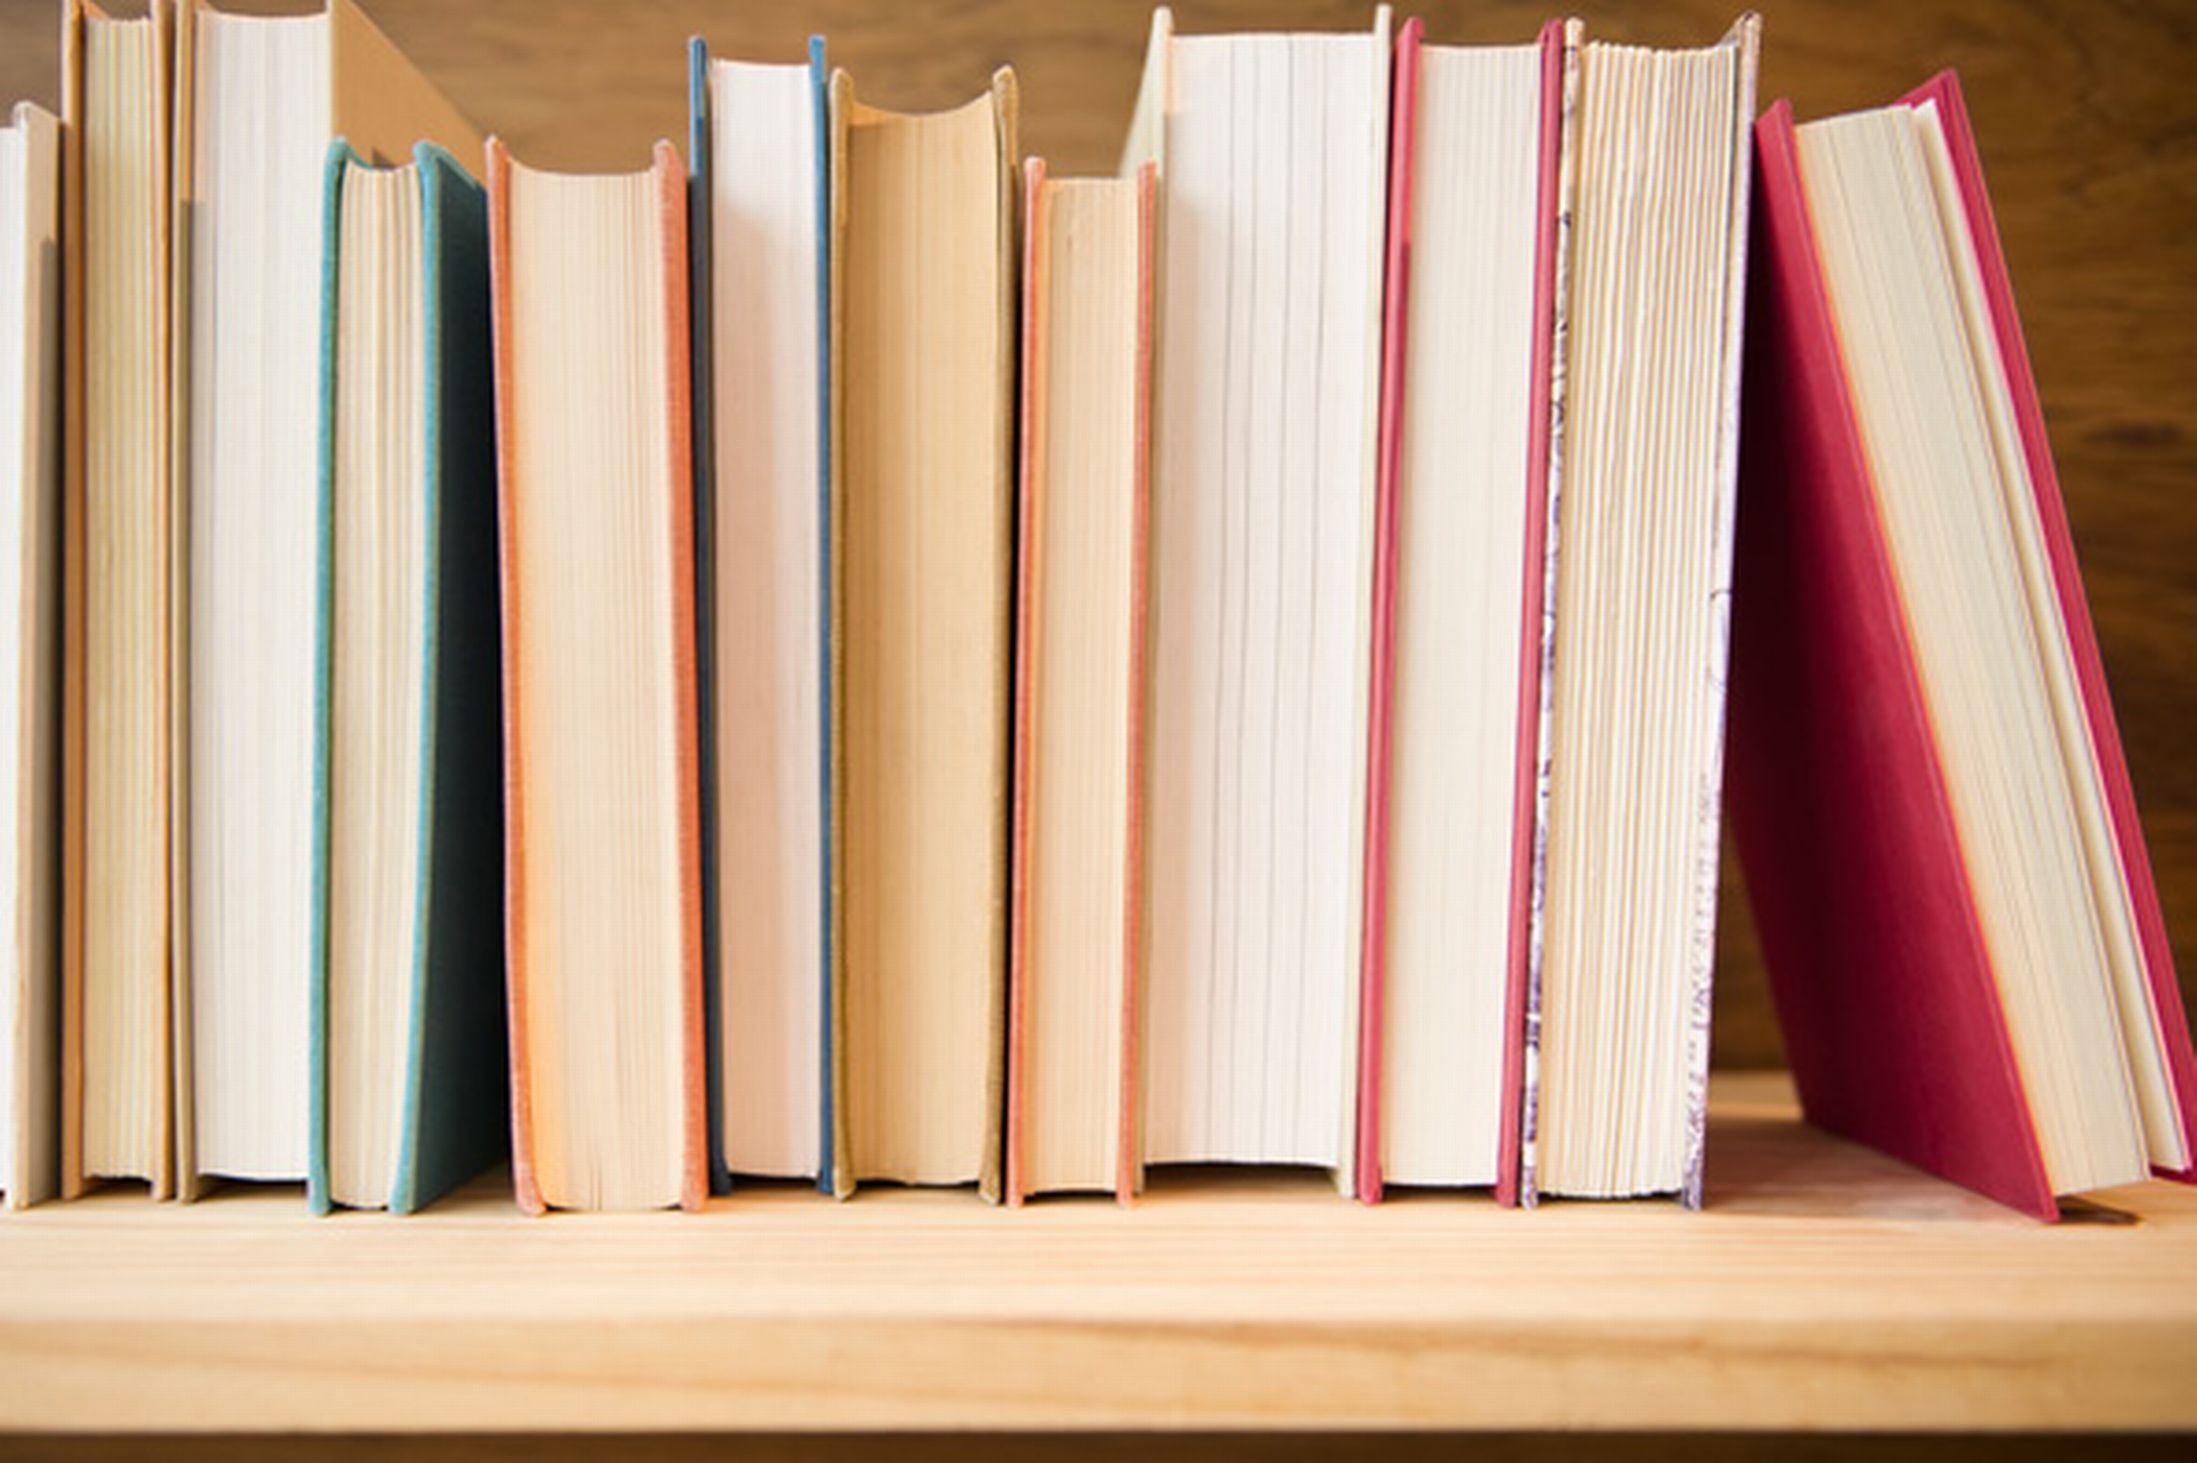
1556,474
1869,889
1532,483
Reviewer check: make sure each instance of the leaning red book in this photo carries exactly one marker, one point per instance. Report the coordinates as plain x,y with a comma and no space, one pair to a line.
1934,816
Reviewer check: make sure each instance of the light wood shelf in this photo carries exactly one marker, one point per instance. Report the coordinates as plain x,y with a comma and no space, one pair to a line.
1824,1287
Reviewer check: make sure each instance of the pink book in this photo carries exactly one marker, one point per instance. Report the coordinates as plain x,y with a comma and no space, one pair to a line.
1403,154
1838,792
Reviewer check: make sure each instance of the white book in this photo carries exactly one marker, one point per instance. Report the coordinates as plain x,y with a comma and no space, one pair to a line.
30,646
259,100
1272,153
765,268
1462,643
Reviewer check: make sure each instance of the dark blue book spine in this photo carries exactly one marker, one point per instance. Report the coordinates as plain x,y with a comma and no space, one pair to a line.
457,1102
705,593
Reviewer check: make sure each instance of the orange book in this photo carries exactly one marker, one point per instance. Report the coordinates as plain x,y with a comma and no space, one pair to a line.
603,888
1076,914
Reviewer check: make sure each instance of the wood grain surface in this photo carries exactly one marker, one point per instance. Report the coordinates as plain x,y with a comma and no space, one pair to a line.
1825,1286
2086,114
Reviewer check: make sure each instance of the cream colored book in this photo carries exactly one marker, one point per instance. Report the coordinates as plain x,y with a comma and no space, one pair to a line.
1655,193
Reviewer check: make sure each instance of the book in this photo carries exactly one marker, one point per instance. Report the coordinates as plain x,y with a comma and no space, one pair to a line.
1650,291
1076,935
1272,154
602,837
761,337
118,1029
1931,805
1460,546
31,234
408,1044
921,564
258,99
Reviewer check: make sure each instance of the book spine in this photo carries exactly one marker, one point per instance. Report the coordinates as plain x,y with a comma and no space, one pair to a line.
1527,807
317,1195
1529,1036
700,161
679,384
1702,945
1028,581
827,687
1396,310
1129,1156
524,1186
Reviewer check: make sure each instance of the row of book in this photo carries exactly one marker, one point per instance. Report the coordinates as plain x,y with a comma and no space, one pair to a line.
859,659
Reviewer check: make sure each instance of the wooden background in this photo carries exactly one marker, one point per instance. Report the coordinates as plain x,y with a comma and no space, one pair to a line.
2086,114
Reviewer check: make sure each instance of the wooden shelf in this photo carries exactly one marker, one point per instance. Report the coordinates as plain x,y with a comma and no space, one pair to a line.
1823,1287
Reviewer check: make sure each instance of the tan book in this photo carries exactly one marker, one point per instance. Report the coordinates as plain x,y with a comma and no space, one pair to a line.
922,376
117,1038
258,99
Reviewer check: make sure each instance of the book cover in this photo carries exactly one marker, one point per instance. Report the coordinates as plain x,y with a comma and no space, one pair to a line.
1526,819
454,1108
1035,411
854,740
31,265
670,187
701,206
124,859
383,105
1839,802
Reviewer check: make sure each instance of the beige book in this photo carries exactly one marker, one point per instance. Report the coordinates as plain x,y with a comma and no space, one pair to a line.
117,1033
923,289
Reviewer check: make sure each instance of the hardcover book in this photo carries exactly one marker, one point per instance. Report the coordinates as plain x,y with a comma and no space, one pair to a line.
1933,813
760,209
408,1046
602,839
31,247
1468,383
258,99
921,563
1272,155
118,651
1075,956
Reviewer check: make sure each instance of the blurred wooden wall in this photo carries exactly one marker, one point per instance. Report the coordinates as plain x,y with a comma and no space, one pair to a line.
2086,114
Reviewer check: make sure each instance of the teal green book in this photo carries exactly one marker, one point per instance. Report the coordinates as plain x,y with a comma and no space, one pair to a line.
433,1085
